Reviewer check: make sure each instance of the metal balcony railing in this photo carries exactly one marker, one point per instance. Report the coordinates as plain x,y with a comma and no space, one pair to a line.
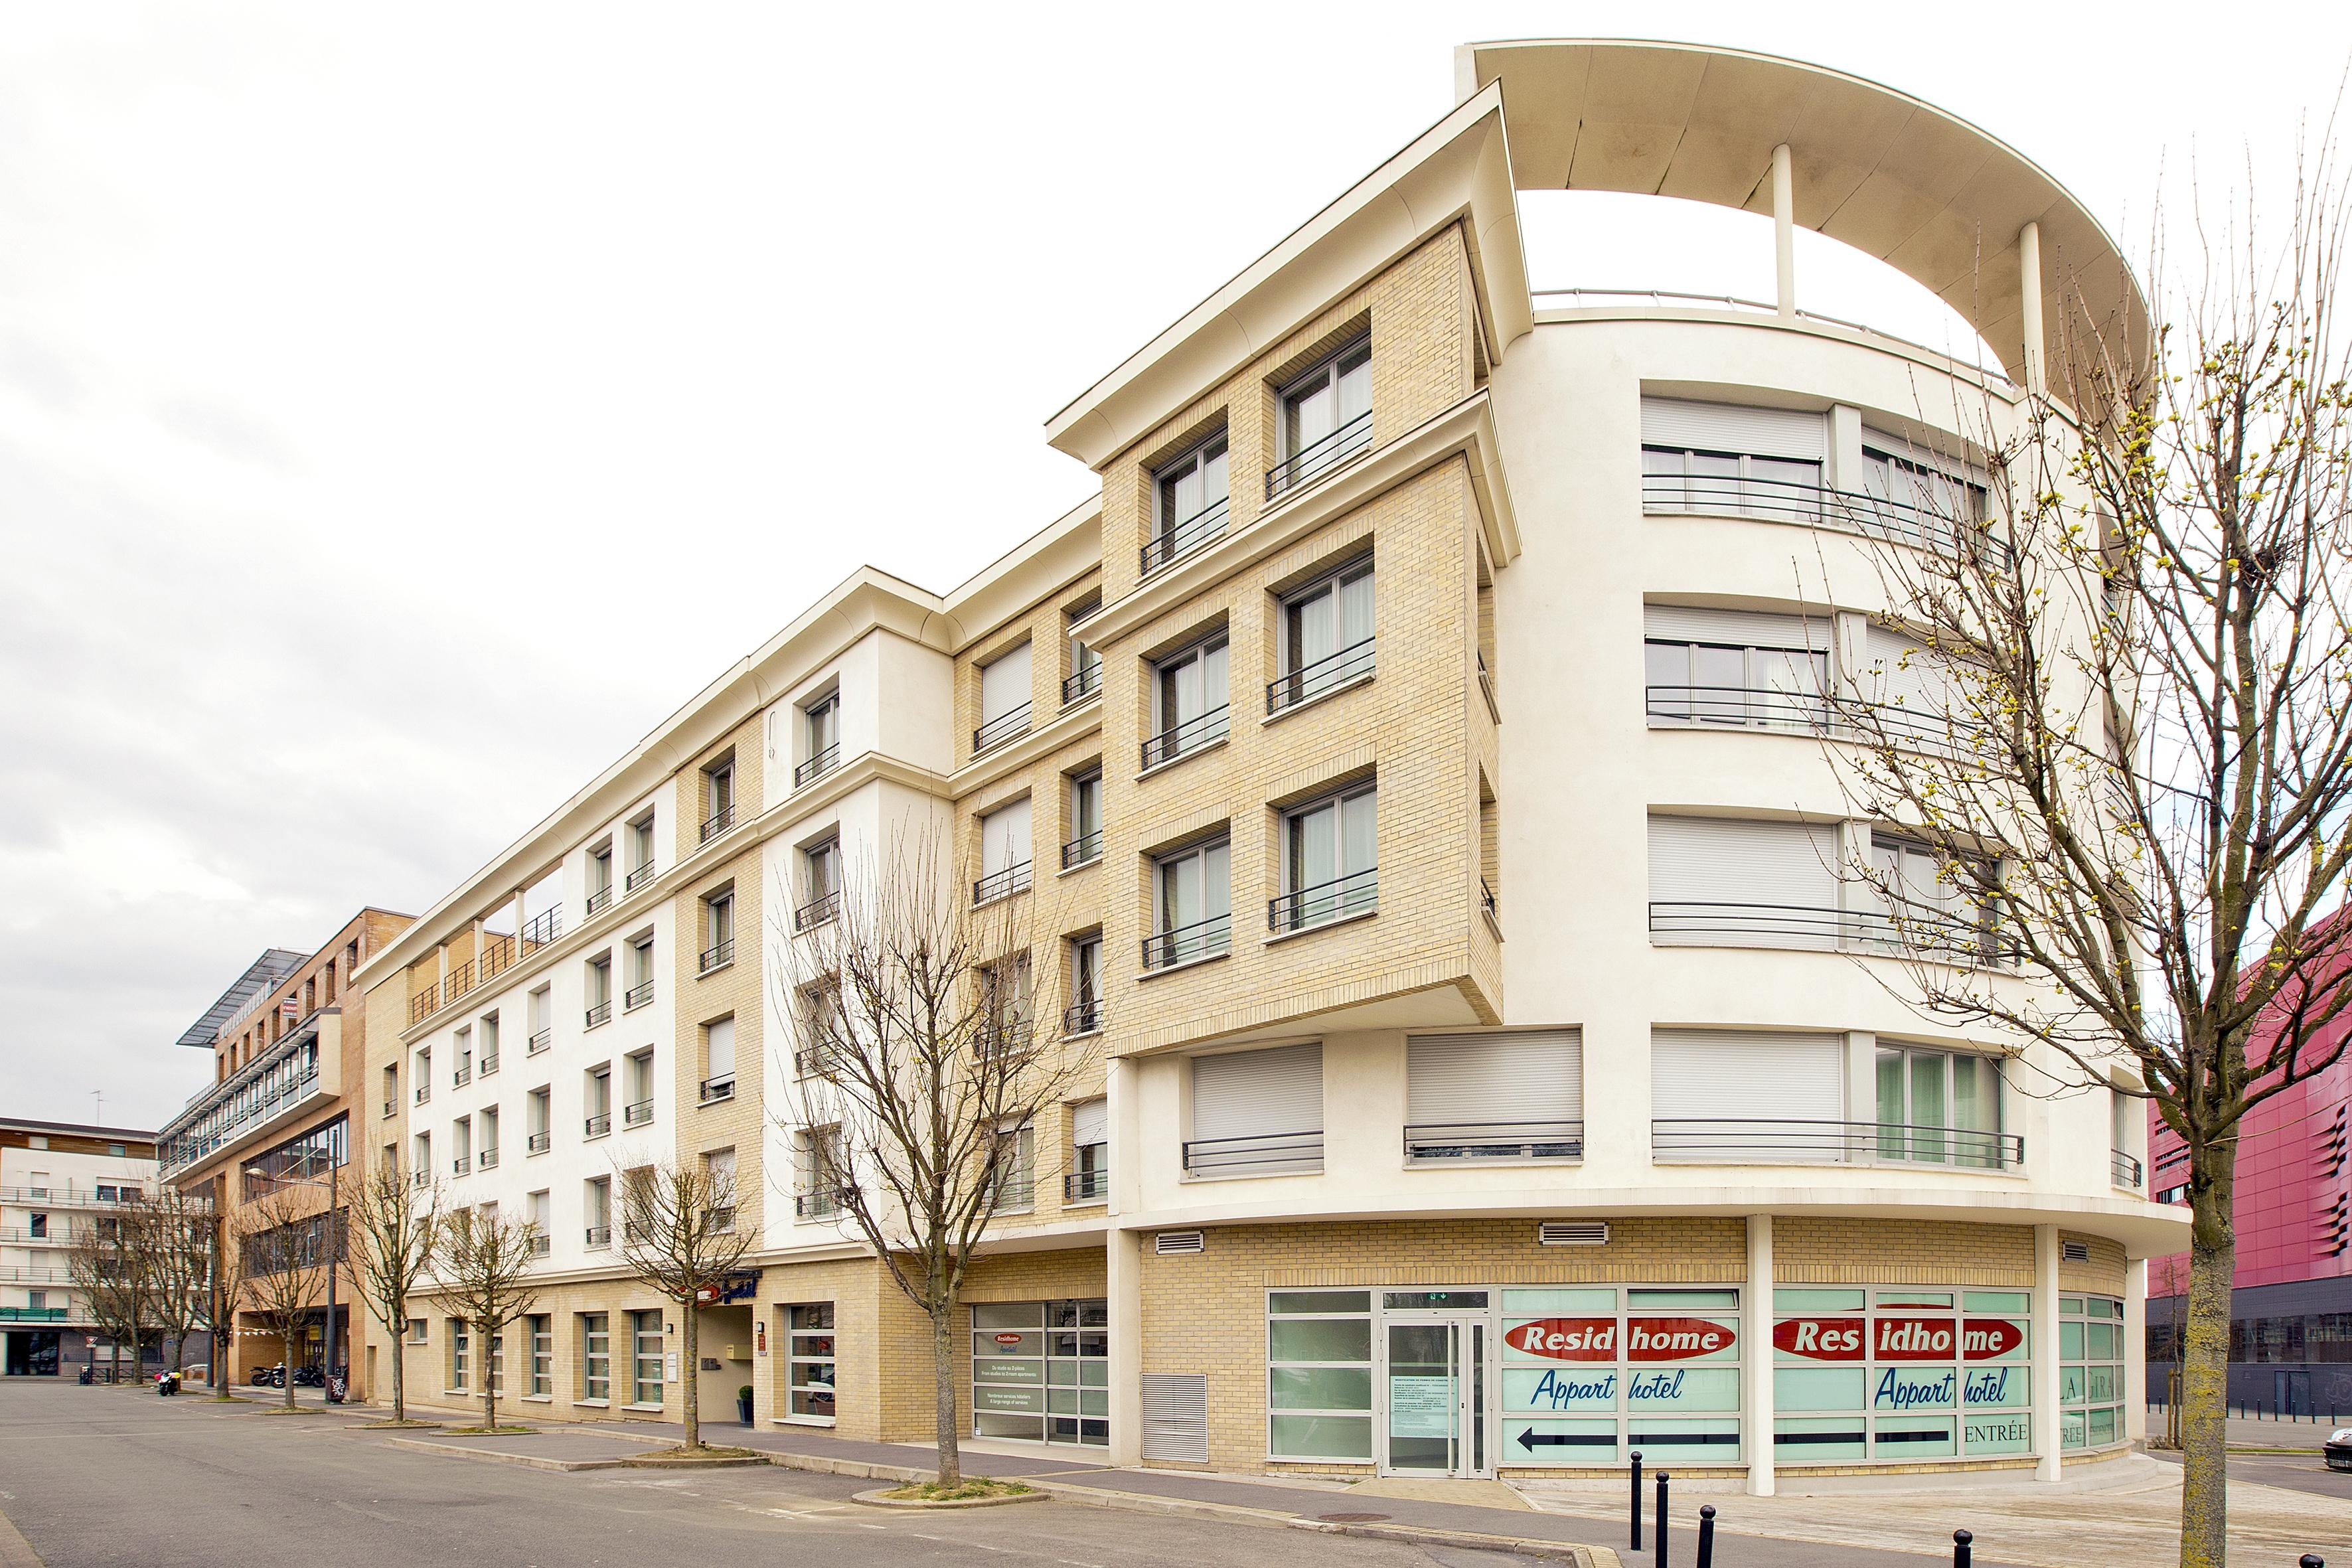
717,823
539,1142
1011,723
1202,939
1325,674
422,1178
460,1165
1765,1142
598,1125
488,1160
716,957
1438,1141
722,1219
637,879
599,1235
816,911
814,1061
2126,1170
1314,460
1193,532
1001,884
541,1246
1083,681
636,1233
67,1196
461,1075
1086,1186
1191,735
421,1005
1085,847
1012,1194
1084,1016
823,1203
1271,1153
1951,940
1486,900
817,765
488,1065
539,1042
1356,893
33,1314
637,1114
599,1013
1001,1037
389,1106
543,927
600,898
637,995
423,1092
1799,712
711,1090
1849,511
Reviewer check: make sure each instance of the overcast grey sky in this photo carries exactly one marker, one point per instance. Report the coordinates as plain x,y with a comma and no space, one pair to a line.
402,407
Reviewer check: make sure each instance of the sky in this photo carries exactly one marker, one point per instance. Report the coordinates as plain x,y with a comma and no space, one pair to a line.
404,408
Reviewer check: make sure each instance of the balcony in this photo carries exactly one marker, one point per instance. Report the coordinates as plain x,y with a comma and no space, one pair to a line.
1086,1186
1183,537
711,1090
636,879
423,1092
816,911
599,1237
1001,1037
1328,674
1951,940
1311,462
636,1233
1818,506
1798,713
1011,724
2125,1171
461,1077
716,957
1265,1154
542,928
422,1178
637,995
600,898
488,1065
1082,682
1084,851
1341,898
1014,1194
423,1005
717,823
1186,944
1432,1143
389,1106
32,1314
541,1246
817,766
814,1061
15,1274
598,1125
599,1013
1740,1142
1082,1017
824,1204
722,1220
460,1165
1194,734
539,1142
488,1160
1001,884
637,1114
70,1197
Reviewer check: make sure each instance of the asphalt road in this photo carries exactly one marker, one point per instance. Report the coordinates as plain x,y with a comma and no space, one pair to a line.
2297,1472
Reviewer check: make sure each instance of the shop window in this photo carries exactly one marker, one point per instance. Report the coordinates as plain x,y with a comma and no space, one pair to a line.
2090,1372
1900,1375
1041,1371
543,1351
596,1355
1319,1375
461,1350
646,1334
809,1362
1588,1374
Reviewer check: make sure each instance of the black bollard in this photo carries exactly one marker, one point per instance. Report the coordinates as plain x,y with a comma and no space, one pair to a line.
1707,1536
1962,1553
1662,1479
2312,1560
1637,1500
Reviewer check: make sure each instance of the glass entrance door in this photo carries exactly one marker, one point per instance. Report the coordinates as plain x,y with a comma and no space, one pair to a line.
1434,1396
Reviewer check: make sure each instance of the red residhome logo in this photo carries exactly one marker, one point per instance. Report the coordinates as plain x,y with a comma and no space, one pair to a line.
1897,1338
1646,1339
1566,1339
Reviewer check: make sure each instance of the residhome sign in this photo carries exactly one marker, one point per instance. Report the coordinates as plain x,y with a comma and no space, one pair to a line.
1897,1338
1646,1339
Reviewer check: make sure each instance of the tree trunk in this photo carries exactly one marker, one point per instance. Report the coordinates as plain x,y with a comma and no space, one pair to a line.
2205,1358
690,1395
285,1350
943,1372
489,1382
400,1365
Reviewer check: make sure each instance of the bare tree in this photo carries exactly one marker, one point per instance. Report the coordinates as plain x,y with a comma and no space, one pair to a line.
2124,737
679,1234
282,1243
482,1268
396,1223
110,1272
176,1244
918,1070
227,1293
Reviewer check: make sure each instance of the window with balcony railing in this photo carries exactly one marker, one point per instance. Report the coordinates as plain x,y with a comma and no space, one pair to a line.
1190,702
1192,905
1325,637
1004,852
820,739
713,1090
1326,420
637,996
538,1142
1329,849
1003,699
637,1113
1190,506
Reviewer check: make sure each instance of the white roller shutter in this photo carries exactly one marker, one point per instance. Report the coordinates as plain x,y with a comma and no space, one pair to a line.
1256,1094
1090,1122
1004,838
1747,1097
1931,450
1004,685
722,1049
1898,674
1734,628
1730,428
1718,882
1521,1074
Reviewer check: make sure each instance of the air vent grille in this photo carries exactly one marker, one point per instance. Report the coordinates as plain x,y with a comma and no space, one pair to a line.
1572,1233
1175,1241
2074,1252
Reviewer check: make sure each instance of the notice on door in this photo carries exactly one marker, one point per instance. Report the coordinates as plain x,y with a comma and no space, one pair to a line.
1421,1407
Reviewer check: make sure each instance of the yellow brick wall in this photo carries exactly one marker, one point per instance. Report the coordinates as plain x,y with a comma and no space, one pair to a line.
732,989
1816,1250
2108,1272
686,784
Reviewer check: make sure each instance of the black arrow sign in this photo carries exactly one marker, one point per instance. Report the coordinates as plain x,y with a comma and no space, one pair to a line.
1530,1439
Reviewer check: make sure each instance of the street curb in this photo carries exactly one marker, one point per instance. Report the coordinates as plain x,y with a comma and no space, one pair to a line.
1146,1502
878,1498
693,1461
1557,1550
16,1552
857,1469
528,1461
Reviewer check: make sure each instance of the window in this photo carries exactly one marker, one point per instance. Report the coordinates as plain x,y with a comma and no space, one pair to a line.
416,1330
819,1021
1330,863
638,1108
1189,702
461,1058
717,931
390,1087
596,1205
1911,904
600,876
1326,637
537,1109
460,1353
1041,1370
540,1011
1508,1095
809,1362
1734,667
487,1031
423,1076
487,1156
1915,1380
1192,907
1746,1099
1086,664
598,1100
1723,459
817,1170
2091,1373
40,1226
420,1159
1012,1168
461,1145
542,1219
718,798
1256,1112
1939,1107
718,1060
1918,493
1003,699
1319,1374
1004,859
1087,1179
1326,418
645,1333
600,991
640,974
1188,503
541,1328
1085,1015
641,853
820,738
596,1355
1085,843
821,882
1006,999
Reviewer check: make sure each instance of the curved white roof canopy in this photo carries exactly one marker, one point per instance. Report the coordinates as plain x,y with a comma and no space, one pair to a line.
1927,193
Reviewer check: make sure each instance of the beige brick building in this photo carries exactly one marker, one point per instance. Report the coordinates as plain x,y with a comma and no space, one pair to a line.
1402,777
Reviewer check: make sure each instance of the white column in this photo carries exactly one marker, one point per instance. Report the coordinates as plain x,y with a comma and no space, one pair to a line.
2045,1351
2136,1350
1756,1362
1123,1262
2029,305
1784,229
1845,447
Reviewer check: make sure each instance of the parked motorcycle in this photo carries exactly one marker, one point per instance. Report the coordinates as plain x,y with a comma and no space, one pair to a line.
269,1377
167,1384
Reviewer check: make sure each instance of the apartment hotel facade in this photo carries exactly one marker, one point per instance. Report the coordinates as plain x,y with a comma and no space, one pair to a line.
1405,765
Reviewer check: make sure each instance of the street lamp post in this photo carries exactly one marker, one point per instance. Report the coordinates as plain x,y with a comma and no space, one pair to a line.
329,1183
